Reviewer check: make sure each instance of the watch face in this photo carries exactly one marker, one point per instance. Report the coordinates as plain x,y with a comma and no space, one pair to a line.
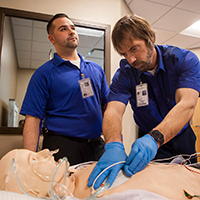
158,136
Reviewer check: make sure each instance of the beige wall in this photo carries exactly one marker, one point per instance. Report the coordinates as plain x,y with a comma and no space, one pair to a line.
196,118
8,69
8,142
101,11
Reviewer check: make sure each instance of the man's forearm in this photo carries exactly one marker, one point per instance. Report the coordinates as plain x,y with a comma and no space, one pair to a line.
178,116
112,122
31,133
112,129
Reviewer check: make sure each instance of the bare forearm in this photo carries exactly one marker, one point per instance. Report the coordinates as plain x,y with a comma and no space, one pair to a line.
31,132
178,116
112,128
112,122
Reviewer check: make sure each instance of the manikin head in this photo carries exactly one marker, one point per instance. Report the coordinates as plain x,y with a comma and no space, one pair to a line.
34,171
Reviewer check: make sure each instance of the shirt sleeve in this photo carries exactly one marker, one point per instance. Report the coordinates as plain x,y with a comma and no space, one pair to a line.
189,71
36,96
120,88
104,90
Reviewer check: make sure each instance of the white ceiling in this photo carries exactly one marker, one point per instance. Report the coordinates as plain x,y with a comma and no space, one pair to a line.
33,47
168,18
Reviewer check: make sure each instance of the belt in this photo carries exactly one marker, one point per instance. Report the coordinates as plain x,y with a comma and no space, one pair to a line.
48,132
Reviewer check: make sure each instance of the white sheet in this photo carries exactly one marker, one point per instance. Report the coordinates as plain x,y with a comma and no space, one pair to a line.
127,195
134,195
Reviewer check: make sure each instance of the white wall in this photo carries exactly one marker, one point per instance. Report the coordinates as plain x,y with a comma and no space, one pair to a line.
100,11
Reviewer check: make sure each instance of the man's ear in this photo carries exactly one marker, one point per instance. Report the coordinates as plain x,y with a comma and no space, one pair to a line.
51,38
153,39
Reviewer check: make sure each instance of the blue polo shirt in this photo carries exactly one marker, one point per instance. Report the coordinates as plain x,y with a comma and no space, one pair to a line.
54,94
177,68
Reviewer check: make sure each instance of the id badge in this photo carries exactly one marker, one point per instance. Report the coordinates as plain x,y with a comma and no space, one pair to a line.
142,95
86,88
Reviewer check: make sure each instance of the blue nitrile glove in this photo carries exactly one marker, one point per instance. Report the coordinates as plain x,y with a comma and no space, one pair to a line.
143,151
114,152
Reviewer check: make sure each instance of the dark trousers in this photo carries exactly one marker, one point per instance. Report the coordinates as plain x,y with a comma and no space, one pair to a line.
184,143
76,150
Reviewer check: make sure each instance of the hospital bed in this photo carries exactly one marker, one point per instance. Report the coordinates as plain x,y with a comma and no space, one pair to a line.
127,195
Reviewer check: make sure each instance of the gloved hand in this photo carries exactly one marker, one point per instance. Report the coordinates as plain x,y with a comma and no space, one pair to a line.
143,151
114,152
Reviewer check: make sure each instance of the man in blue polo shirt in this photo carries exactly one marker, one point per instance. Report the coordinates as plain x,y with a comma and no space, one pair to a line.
162,84
69,94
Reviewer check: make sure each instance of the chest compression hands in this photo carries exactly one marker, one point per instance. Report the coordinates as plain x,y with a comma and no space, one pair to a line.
143,151
114,153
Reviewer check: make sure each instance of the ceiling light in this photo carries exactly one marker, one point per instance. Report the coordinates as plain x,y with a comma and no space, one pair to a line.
193,30
89,32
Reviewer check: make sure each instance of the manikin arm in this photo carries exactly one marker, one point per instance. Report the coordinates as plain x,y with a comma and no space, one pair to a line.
180,114
31,132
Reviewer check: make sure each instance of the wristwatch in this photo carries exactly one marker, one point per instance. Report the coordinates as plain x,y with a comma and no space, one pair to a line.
158,136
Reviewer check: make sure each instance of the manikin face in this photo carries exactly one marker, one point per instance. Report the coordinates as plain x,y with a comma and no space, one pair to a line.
64,35
34,171
137,54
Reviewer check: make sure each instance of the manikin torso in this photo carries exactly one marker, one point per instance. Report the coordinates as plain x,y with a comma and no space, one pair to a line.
35,171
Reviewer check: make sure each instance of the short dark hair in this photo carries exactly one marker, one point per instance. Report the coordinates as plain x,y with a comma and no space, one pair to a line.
132,27
56,16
